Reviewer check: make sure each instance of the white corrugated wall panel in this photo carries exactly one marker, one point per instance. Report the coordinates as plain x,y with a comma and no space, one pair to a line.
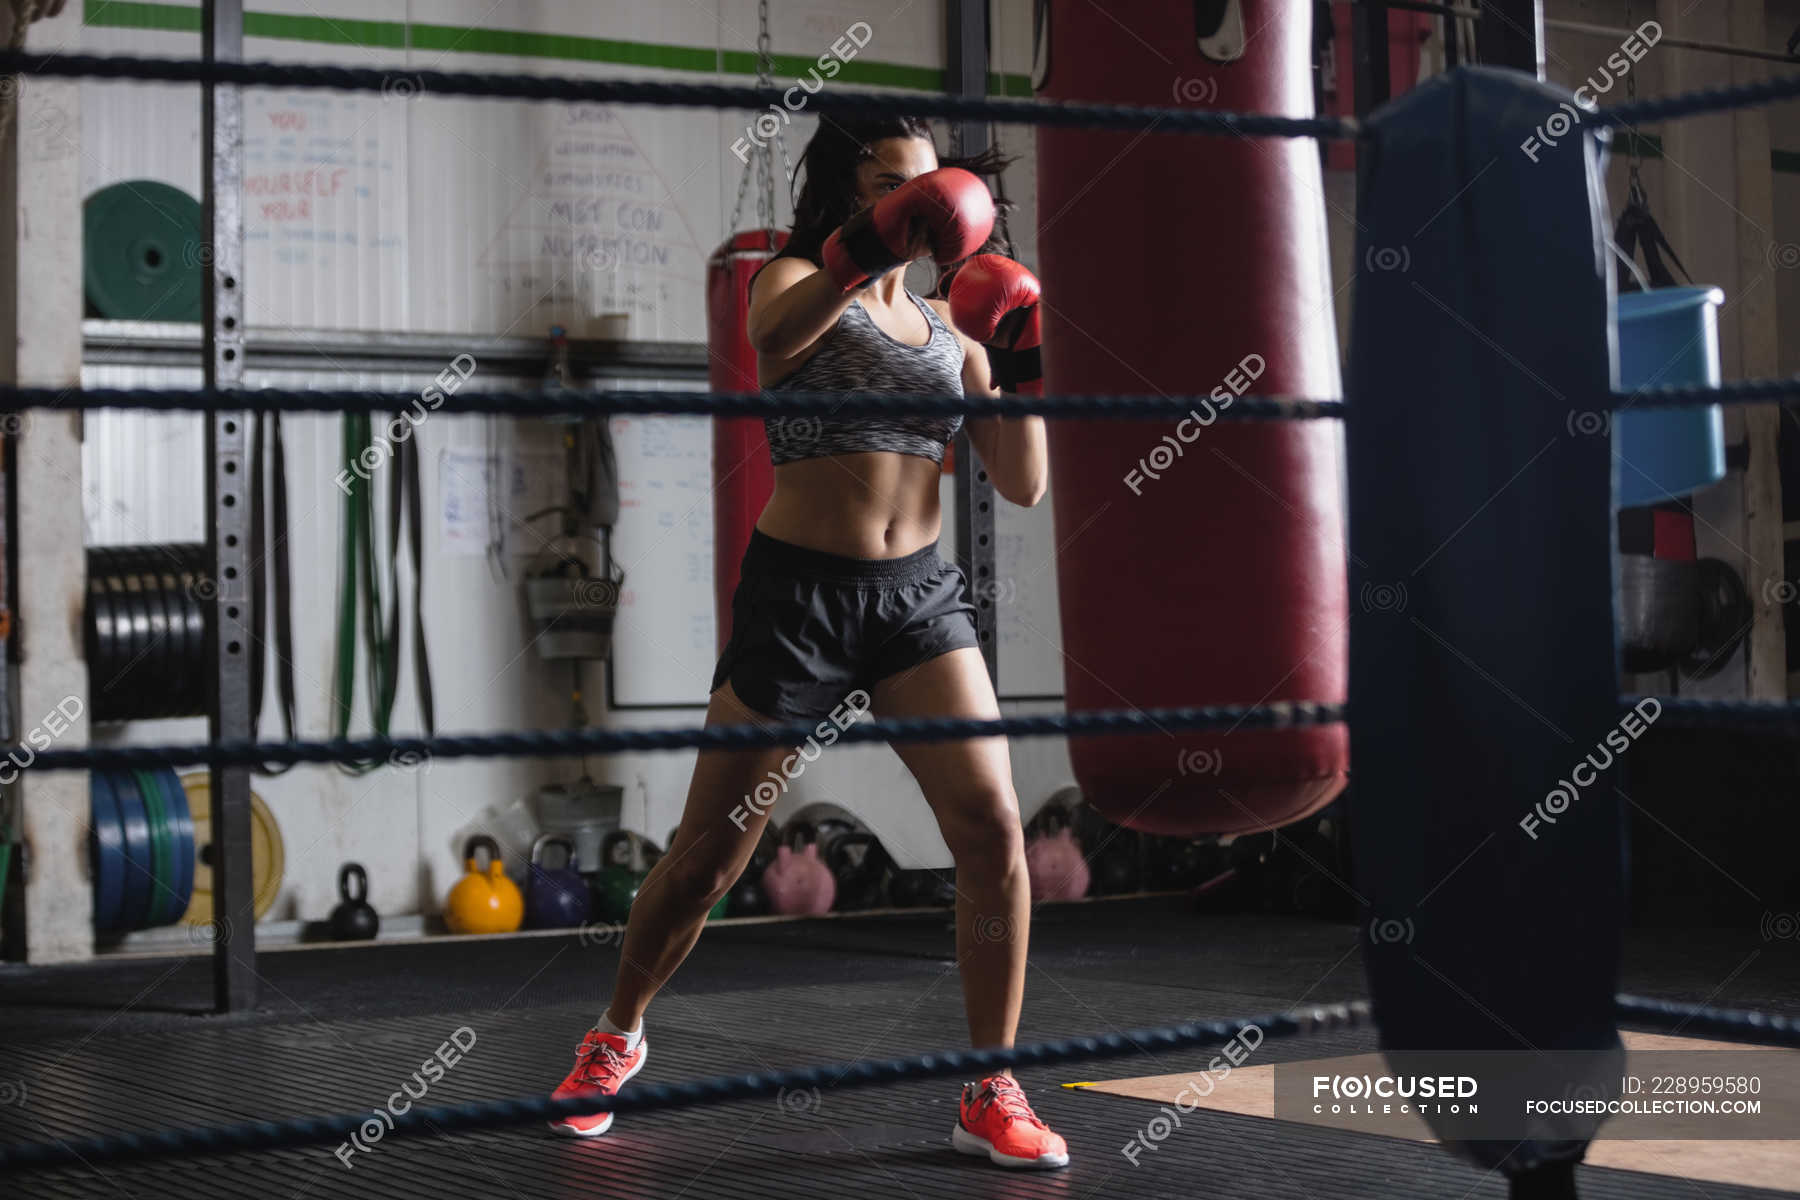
448,214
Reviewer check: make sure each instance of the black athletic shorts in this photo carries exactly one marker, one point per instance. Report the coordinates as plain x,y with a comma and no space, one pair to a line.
808,628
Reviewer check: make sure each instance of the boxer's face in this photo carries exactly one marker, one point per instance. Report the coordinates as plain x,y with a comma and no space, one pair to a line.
892,161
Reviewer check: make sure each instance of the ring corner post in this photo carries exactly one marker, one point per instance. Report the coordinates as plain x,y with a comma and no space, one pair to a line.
228,508
1483,662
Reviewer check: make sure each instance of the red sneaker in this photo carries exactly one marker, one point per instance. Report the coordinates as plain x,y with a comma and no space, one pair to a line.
602,1065
997,1121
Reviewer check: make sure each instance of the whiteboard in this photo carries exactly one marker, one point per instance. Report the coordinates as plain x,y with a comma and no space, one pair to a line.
663,647
1027,618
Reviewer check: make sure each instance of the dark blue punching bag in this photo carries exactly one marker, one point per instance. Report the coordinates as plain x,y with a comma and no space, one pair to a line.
1482,654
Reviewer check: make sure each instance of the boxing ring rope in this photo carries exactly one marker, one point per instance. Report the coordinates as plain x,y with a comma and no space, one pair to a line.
1755,1027
671,403
523,403
1758,1027
404,84
558,743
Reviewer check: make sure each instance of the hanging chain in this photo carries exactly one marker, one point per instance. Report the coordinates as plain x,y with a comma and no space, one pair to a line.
761,162
765,161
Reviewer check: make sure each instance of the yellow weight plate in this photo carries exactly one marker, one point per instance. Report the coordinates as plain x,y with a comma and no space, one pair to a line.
268,859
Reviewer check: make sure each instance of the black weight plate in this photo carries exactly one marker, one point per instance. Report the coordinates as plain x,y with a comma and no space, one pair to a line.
194,610
103,666
137,692
157,662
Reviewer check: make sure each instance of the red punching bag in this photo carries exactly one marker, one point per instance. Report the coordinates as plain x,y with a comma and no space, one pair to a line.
1201,562
743,477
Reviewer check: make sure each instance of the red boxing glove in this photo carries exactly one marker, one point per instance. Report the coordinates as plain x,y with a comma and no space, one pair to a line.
995,301
952,207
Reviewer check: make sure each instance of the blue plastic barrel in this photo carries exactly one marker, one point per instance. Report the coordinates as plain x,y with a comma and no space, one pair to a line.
1668,337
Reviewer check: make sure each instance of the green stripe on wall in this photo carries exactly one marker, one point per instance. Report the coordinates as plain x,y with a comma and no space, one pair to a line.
518,43
1649,146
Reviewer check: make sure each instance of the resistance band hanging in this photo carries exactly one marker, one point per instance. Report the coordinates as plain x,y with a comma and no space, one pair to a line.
269,543
360,584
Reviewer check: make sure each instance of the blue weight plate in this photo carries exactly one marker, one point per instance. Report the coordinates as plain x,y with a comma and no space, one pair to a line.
140,865
181,824
106,850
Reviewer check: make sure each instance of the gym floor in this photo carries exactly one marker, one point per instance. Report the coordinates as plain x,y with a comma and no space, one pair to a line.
341,1028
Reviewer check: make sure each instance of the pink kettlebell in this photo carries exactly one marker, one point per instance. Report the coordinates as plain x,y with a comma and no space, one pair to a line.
1053,861
797,883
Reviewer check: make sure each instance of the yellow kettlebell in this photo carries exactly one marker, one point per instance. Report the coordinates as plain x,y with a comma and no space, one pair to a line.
484,901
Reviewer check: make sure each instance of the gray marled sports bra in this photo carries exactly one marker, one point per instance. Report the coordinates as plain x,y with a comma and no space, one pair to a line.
856,356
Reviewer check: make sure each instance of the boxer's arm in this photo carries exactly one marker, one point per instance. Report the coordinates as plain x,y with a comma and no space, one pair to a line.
792,305
1014,450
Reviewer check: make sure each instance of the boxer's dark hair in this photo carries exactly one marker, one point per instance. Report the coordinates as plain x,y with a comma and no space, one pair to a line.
825,180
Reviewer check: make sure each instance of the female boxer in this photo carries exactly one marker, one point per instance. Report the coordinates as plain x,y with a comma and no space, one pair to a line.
843,590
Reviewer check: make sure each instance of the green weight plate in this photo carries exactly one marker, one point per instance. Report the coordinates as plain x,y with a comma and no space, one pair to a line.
162,850
140,867
142,252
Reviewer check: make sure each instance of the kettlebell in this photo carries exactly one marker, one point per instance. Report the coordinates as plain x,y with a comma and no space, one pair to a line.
797,882
1053,862
353,920
616,886
1117,869
859,866
484,901
555,897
